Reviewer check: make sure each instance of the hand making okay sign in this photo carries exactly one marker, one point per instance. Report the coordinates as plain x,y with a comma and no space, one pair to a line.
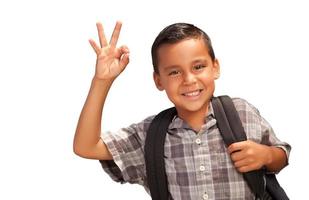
111,61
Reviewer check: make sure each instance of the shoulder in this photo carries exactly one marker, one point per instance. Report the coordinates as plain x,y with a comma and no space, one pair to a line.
243,106
250,118
162,115
146,122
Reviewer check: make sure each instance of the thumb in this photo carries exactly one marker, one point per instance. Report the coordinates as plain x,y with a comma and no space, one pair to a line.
119,52
124,60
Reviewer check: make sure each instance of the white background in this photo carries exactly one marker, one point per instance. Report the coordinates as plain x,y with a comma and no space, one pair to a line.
46,66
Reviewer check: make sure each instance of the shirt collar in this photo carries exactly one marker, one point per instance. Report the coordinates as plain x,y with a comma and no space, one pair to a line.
179,123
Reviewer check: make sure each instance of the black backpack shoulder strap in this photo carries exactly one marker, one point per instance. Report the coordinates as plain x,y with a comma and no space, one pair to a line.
274,188
231,130
154,154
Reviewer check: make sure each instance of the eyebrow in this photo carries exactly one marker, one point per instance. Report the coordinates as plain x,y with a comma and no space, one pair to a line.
198,60
167,68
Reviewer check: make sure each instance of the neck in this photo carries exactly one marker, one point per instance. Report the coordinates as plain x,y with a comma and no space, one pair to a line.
194,118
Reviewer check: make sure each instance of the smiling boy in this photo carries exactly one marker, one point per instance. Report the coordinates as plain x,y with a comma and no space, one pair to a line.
198,165
187,73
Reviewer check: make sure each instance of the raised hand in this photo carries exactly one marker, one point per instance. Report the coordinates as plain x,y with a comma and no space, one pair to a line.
111,61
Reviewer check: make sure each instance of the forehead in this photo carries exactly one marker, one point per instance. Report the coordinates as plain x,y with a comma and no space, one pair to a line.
182,52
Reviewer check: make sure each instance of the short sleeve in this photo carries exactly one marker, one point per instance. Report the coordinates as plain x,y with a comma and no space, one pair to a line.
127,149
269,138
256,127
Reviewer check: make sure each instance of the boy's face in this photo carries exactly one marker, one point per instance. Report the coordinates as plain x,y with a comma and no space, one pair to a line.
187,74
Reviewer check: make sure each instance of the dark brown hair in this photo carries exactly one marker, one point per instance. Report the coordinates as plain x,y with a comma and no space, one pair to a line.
175,33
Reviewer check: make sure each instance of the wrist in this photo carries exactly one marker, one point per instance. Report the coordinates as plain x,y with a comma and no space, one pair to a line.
265,154
269,156
97,80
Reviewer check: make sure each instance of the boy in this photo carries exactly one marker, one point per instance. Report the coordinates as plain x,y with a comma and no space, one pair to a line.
198,165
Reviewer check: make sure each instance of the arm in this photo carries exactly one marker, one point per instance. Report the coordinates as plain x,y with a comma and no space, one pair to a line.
111,61
278,159
248,156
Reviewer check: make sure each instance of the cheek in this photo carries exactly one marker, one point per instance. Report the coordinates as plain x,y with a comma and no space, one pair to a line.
207,79
208,76
172,86
208,83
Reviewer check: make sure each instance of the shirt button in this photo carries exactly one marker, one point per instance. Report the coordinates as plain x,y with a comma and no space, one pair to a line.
202,168
205,196
198,141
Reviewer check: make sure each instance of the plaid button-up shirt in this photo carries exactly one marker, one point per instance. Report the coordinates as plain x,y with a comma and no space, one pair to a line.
197,163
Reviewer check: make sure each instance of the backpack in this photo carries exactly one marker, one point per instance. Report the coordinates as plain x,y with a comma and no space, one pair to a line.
264,185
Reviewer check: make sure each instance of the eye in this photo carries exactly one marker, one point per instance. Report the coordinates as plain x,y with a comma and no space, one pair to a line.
174,73
198,67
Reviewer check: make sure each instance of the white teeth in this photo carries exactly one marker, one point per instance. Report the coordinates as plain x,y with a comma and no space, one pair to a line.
191,94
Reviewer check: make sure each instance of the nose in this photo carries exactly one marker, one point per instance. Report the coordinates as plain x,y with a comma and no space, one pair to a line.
189,78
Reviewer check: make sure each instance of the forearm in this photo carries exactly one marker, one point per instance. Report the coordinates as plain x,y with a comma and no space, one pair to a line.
88,131
277,159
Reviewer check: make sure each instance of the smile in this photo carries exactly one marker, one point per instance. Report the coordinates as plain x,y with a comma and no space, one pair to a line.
193,93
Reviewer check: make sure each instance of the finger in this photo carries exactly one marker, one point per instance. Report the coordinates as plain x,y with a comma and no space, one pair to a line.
249,167
121,50
244,169
124,60
237,146
115,35
101,34
124,49
244,162
237,156
95,47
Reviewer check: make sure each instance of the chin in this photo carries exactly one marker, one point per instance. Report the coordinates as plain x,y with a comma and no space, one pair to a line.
193,108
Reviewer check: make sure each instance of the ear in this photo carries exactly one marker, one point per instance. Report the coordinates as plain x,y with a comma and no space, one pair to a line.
157,80
216,68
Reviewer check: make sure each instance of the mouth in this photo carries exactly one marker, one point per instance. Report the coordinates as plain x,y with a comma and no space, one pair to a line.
194,93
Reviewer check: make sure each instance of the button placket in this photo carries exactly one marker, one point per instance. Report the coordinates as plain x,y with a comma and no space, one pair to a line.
205,196
198,141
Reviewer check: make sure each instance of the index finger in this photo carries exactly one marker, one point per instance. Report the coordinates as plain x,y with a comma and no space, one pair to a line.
115,35
101,34
237,146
